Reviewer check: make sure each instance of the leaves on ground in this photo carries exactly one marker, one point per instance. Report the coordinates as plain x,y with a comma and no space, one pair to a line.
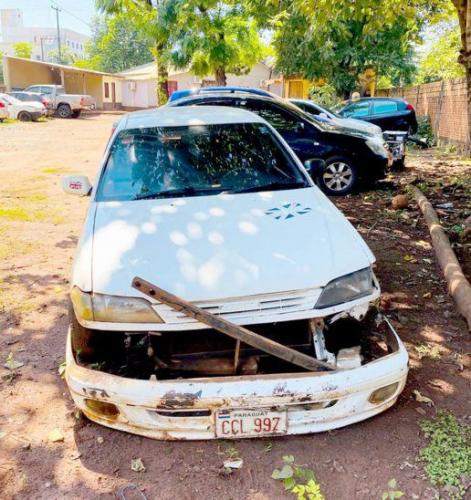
137,465
422,399
447,457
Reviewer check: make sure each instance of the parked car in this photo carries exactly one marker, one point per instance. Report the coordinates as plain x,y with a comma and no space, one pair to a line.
33,96
351,156
394,140
388,113
179,94
3,111
64,105
23,111
210,204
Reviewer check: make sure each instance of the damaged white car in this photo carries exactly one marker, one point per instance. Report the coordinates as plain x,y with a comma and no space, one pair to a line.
217,293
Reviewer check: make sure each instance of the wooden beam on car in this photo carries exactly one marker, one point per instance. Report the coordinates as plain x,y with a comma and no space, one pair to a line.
232,330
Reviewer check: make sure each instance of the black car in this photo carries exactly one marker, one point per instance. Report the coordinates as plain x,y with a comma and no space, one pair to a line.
386,112
350,157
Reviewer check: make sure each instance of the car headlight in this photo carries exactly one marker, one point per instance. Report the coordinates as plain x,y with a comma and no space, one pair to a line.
377,147
347,288
112,309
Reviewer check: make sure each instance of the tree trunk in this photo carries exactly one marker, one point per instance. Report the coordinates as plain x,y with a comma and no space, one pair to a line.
162,77
220,76
463,8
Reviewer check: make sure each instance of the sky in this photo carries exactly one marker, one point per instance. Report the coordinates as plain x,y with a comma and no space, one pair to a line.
75,14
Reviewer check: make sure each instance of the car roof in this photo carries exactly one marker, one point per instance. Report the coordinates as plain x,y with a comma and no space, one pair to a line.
173,116
375,98
180,94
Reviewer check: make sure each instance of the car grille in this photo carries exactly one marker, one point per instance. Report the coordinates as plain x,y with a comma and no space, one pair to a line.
254,307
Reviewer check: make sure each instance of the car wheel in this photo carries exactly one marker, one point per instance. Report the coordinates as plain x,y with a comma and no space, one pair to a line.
24,116
64,111
339,176
76,114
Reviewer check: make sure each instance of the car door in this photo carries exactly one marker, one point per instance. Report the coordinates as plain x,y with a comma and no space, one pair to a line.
301,135
388,115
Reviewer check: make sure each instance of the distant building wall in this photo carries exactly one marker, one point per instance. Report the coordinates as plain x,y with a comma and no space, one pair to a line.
43,40
444,103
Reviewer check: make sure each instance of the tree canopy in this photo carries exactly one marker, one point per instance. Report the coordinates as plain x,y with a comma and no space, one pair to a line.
23,49
117,43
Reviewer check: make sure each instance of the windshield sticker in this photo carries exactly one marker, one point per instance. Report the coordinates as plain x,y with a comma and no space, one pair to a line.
288,211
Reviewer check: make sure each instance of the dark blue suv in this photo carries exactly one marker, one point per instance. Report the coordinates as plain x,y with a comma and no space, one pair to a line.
350,156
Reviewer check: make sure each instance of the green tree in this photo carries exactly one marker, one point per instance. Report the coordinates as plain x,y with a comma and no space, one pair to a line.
440,62
343,50
213,37
66,56
117,44
23,49
150,17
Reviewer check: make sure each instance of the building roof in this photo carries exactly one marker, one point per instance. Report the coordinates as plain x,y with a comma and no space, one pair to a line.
167,116
148,71
63,66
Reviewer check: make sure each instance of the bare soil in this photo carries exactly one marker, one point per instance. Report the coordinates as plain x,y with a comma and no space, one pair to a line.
39,227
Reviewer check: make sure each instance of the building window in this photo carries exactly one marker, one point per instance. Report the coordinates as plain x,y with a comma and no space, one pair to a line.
107,90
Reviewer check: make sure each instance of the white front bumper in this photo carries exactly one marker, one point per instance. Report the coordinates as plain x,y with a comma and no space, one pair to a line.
186,408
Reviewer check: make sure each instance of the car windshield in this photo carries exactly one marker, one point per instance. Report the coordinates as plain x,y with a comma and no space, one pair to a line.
165,162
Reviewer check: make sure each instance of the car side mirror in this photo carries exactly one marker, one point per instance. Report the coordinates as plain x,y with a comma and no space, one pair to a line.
314,166
76,184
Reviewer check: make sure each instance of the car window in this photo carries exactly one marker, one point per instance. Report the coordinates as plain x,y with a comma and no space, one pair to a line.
159,162
383,106
34,89
360,108
45,90
278,118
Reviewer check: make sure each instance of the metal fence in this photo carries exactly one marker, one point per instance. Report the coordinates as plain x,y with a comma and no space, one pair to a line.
444,104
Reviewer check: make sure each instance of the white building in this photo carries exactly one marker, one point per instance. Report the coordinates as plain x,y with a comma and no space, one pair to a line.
43,40
139,87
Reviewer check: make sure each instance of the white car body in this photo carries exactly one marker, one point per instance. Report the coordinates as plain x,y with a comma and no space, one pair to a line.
262,257
15,107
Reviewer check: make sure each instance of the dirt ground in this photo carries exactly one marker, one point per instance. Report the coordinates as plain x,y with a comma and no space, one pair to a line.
39,226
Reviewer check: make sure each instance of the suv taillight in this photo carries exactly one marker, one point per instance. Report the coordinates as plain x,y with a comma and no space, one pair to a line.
2,105
410,107
82,102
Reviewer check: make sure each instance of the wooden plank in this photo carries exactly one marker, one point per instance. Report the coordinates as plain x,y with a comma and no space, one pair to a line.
235,331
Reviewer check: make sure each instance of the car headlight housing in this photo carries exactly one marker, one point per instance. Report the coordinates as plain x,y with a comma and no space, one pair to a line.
112,309
347,288
378,148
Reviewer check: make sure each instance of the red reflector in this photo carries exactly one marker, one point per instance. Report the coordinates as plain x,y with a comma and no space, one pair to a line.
2,105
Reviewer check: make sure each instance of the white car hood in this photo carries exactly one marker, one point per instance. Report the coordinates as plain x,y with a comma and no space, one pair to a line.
212,247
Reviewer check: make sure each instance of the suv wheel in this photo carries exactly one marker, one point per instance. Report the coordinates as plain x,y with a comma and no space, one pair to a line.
339,176
64,111
24,116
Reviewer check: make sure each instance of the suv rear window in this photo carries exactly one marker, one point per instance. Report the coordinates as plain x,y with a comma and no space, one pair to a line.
383,106
164,162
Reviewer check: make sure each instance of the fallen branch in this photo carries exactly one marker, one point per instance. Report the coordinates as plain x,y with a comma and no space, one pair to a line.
458,286
232,330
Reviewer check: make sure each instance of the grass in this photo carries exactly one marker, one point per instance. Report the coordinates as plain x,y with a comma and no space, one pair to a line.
53,170
22,214
447,457
427,351
8,121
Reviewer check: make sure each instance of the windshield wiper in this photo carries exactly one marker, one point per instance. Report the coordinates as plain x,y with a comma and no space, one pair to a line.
273,186
175,193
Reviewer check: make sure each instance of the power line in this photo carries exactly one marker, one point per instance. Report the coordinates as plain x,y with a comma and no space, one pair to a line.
58,5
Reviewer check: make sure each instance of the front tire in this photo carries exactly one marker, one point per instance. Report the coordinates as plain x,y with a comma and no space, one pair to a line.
64,111
339,177
24,116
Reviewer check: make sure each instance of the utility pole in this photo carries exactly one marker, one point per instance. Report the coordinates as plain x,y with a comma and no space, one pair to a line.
58,32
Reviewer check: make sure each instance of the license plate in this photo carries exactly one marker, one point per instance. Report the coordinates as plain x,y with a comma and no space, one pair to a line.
244,423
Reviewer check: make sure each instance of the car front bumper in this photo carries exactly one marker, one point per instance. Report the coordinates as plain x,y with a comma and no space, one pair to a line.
185,409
